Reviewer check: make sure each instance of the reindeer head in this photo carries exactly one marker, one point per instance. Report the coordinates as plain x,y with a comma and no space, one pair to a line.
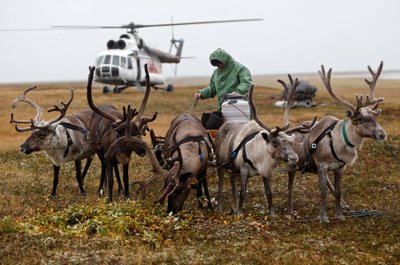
363,114
278,145
177,186
41,130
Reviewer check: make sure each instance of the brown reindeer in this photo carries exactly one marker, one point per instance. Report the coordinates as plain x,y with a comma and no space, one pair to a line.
195,148
64,138
332,143
106,129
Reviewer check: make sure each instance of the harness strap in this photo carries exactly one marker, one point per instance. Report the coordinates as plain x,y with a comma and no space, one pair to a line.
198,140
235,152
69,143
333,150
326,132
346,138
74,127
322,136
71,126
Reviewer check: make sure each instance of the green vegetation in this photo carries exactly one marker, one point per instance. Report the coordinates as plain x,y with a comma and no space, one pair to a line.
85,230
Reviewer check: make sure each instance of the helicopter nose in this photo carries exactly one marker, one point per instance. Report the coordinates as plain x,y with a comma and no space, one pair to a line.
98,74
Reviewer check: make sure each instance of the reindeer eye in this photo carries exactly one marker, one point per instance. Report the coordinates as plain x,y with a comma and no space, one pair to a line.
275,142
360,119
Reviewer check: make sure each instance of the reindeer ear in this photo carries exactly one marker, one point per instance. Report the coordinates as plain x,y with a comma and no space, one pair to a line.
349,113
266,137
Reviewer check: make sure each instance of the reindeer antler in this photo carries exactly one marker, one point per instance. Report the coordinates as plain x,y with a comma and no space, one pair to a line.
290,96
172,180
253,109
326,79
375,77
37,122
63,112
370,99
303,127
90,99
39,111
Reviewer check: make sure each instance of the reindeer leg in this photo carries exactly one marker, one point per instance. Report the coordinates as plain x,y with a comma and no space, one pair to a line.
199,194
55,181
343,204
100,191
234,191
322,175
338,193
117,176
110,179
292,174
86,168
78,169
206,192
243,186
268,194
220,172
125,177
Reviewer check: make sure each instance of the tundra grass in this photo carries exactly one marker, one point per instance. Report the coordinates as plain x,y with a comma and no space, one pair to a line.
71,229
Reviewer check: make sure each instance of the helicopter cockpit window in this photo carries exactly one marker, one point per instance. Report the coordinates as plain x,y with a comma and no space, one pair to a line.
107,59
99,60
115,60
130,66
123,62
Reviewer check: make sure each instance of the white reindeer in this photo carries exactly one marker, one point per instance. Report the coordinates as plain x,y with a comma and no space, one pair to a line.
64,138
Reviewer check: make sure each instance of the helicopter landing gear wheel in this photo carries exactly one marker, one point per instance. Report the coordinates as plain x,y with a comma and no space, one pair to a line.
106,89
117,90
170,88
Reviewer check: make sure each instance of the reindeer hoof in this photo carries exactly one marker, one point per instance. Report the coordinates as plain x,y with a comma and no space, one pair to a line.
323,219
239,212
53,196
340,217
100,192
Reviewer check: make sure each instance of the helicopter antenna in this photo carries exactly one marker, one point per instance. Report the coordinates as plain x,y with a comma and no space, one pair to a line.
172,32
173,44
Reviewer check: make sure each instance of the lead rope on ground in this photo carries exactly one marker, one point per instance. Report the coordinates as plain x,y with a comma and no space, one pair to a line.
347,215
389,148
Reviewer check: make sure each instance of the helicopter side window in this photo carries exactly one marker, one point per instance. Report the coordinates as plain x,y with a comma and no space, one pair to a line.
130,63
107,59
123,62
115,60
99,60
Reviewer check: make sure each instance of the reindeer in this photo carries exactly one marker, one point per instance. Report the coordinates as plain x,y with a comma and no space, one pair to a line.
64,138
106,130
195,147
332,143
251,148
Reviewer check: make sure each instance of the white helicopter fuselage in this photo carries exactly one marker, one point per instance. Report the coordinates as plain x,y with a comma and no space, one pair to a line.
123,64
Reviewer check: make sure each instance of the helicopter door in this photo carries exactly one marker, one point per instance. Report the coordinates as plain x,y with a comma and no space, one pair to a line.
131,71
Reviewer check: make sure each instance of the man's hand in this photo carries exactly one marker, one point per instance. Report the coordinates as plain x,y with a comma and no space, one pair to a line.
197,95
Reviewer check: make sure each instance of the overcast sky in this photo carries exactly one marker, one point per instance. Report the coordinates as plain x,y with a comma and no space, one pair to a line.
295,36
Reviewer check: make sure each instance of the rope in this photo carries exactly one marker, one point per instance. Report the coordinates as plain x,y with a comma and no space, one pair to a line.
389,148
347,214
194,104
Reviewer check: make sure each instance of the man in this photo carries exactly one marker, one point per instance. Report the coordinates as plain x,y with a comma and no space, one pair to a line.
229,77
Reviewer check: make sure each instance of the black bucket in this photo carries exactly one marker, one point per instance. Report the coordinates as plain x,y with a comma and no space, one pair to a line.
212,120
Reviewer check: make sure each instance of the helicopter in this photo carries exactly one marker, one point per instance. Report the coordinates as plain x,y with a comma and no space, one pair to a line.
122,64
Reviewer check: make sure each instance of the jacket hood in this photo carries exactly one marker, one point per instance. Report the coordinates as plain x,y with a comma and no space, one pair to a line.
221,55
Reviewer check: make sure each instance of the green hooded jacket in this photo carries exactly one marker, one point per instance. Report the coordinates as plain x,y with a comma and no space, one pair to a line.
233,77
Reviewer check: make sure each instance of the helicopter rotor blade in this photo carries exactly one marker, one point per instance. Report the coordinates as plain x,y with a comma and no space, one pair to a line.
201,22
132,25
